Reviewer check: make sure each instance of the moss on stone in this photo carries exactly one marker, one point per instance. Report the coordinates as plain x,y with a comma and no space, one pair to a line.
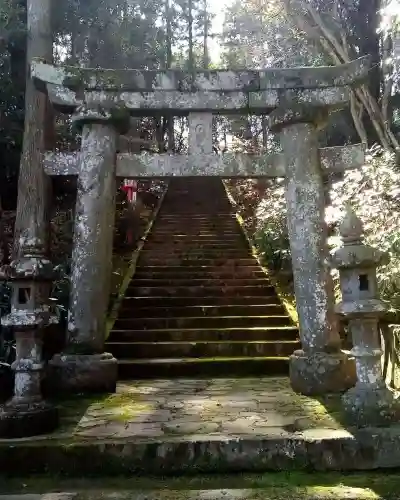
275,486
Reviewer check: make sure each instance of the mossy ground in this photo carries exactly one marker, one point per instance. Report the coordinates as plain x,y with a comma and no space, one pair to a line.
281,485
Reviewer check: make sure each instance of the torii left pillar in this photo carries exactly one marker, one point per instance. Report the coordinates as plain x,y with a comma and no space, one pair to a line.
84,366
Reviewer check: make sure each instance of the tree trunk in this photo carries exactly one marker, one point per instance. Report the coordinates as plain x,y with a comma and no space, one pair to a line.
190,34
169,118
206,59
4,252
32,218
367,23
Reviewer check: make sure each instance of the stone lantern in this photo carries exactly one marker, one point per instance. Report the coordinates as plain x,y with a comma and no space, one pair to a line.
370,402
30,277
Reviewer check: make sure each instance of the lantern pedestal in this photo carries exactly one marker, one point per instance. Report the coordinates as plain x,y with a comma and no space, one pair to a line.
89,373
366,405
320,373
26,413
30,419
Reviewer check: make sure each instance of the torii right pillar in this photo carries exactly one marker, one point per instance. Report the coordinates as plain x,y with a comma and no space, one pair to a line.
320,366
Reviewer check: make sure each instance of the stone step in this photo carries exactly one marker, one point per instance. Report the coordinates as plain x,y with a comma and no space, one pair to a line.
197,367
213,212
212,270
165,215
200,273
210,334
195,233
193,245
212,215
200,311
201,349
134,301
200,291
195,230
179,429
177,261
151,323
191,225
194,253
313,492
214,281
190,221
189,239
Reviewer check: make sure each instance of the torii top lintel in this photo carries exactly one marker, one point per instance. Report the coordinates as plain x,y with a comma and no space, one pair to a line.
215,91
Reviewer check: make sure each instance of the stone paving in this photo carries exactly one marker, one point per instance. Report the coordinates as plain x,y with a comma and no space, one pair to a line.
178,426
187,408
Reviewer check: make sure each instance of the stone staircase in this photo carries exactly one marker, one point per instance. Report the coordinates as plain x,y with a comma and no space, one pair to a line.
199,304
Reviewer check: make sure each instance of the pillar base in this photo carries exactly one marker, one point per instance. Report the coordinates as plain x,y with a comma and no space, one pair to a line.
319,373
17,421
83,373
371,406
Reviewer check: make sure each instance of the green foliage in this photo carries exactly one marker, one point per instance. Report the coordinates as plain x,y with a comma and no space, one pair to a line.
262,207
257,35
373,191
271,236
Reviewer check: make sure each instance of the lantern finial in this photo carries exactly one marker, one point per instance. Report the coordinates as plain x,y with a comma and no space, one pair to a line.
351,229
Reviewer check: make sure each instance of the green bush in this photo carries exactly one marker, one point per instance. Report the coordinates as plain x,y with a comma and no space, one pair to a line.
271,236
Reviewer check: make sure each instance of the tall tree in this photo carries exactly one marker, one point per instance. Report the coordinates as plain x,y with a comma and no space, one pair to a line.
345,30
170,122
32,219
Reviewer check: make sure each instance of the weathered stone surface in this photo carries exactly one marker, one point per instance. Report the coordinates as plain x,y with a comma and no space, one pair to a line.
370,402
74,373
371,406
305,206
320,373
166,493
146,103
216,91
26,413
17,421
200,134
45,496
305,202
251,80
283,430
333,160
117,116
93,236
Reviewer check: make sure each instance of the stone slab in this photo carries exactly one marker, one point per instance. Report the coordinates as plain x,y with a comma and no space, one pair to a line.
333,160
214,80
182,103
214,425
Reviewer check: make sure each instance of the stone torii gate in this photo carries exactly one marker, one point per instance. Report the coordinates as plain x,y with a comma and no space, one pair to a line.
298,102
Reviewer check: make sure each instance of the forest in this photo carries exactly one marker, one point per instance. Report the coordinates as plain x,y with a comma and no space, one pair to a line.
158,34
